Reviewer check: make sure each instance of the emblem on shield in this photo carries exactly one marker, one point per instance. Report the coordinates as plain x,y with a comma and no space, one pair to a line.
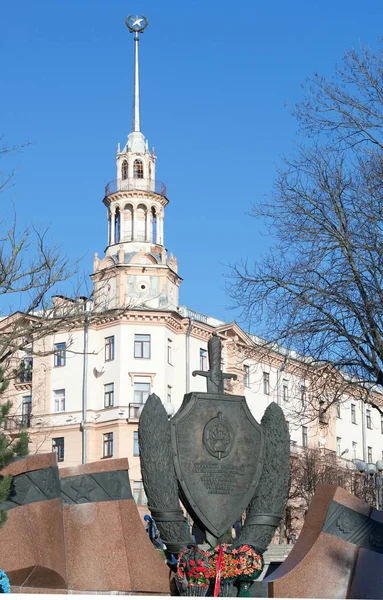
218,455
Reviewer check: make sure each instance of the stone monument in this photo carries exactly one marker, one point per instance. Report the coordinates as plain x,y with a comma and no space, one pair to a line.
215,458
76,530
339,552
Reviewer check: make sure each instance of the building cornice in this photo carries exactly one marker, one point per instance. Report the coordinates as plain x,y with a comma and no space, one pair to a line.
135,194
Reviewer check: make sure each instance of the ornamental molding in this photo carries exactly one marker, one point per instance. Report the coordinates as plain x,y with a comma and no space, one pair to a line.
115,197
150,376
27,386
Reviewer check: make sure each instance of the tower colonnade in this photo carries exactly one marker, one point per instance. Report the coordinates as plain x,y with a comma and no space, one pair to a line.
134,220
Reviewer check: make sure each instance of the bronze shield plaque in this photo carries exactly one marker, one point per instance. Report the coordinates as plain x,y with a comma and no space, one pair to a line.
218,455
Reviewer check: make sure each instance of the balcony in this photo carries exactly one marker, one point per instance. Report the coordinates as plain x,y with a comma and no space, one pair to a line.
134,410
132,185
18,422
24,372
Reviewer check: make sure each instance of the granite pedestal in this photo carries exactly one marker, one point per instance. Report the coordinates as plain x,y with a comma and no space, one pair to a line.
77,530
339,553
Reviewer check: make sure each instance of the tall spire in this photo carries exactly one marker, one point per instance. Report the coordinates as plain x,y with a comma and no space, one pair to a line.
135,26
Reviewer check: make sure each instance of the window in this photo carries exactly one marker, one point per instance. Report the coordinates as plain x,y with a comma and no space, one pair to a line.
139,493
338,446
246,377
266,383
285,390
141,346
59,400
368,418
154,225
169,397
170,352
124,170
337,405
117,226
58,447
108,395
202,359
304,436
109,348
141,392
26,411
60,354
138,169
303,395
369,454
107,445
353,413
25,369
136,447
354,450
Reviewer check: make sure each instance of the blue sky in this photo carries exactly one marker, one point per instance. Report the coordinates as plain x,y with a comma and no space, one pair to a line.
215,80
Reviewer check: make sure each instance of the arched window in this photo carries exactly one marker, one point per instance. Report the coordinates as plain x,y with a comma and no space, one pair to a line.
150,170
124,170
138,169
154,225
140,233
117,226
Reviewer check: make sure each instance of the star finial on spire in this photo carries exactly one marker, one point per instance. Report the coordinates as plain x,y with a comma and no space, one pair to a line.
134,23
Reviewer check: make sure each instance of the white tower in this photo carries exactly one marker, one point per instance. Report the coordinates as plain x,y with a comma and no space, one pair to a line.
136,271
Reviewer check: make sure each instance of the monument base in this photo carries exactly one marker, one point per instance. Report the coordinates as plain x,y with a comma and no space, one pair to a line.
339,553
77,531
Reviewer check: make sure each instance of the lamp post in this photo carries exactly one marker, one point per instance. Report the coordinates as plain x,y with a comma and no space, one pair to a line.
373,472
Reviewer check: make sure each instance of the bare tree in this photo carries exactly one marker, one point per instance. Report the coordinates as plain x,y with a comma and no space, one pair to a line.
33,273
311,467
319,290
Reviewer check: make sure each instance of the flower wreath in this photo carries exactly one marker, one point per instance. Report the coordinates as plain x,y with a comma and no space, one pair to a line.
251,561
193,568
229,564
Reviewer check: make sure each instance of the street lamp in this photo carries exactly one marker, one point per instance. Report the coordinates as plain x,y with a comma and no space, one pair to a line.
373,471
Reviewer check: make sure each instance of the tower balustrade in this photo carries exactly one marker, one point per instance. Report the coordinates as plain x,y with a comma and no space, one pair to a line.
133,184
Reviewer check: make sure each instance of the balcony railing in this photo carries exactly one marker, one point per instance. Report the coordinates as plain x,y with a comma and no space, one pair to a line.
17,422
134,409
131,185
192,314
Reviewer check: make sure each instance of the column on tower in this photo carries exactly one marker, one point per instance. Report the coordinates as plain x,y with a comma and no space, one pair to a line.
112,225
128,222
148,226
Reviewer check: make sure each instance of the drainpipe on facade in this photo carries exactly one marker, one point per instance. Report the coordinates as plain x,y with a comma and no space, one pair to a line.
364,431
84,389
188,355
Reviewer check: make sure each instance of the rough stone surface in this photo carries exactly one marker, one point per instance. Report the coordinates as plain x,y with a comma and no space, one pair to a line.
327,564
95,542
